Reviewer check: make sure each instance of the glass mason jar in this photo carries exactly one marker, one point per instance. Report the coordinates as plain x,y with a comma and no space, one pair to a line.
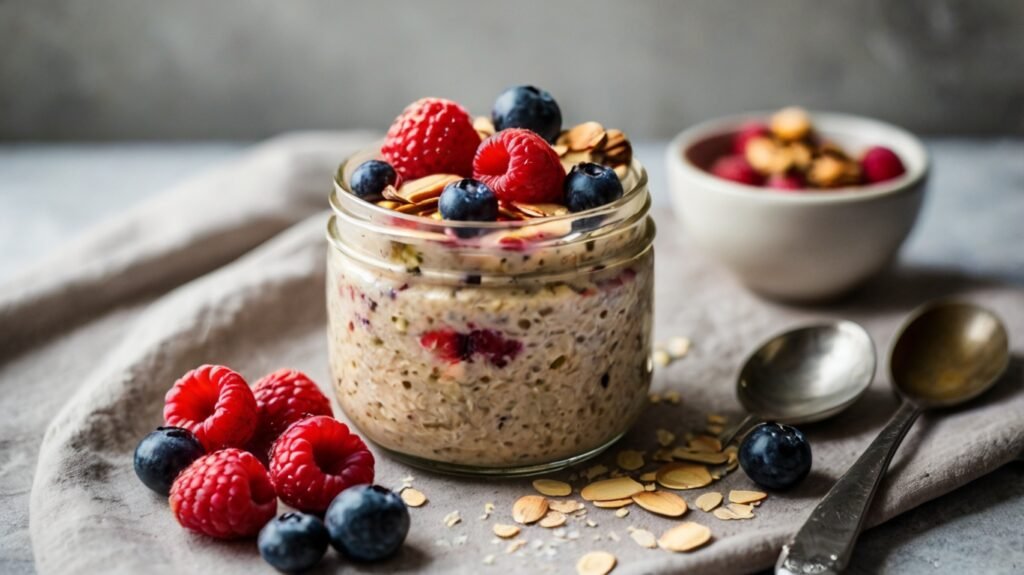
491,348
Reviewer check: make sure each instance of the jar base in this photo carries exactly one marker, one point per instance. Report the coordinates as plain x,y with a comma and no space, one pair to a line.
486,471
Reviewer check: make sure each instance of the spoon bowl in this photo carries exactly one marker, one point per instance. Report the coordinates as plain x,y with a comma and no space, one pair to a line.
945,354
948,353
807,374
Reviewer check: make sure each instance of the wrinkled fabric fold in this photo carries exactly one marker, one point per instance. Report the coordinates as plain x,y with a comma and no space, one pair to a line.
229,268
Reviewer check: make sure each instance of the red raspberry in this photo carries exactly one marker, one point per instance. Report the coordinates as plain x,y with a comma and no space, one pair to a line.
454,347
431,136
748,132
226,494
880,164
284,397
520,167
316,459
215,404
736,169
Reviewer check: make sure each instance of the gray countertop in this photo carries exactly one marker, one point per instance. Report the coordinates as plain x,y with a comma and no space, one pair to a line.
973,221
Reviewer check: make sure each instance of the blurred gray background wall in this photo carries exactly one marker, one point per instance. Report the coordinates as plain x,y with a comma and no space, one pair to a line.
130,69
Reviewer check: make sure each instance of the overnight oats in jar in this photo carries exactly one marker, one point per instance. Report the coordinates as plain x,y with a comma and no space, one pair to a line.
490,292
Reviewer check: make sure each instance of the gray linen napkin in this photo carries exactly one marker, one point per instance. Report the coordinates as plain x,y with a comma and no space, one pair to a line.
114,320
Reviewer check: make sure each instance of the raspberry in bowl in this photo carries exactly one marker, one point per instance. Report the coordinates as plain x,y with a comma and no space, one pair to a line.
492,319
798,206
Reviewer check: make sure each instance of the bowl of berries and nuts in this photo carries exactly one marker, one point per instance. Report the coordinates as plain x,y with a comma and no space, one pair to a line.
489,287
799,206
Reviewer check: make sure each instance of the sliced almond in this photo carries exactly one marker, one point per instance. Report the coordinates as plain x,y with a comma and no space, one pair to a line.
649,476
565,505
595,471
511,214
717,419
665,437
685,454
622,512
650,486
529,508
415,191
389,204
684,537
552,519
678,347
644,538
391,193
515,546
585,136
741,511
661,502
621,171
614,503
705,443
483,126
452,519
709,501
683,476
724,513
560,149
608,489
541,210
505,531
630,460
741,496
428,204
413,497
571,159
663,455
595,563
552,488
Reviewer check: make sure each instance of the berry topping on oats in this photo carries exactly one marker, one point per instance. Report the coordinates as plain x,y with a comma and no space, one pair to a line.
530,108
468,200
371,177
520,154
591,185
520,167
431,136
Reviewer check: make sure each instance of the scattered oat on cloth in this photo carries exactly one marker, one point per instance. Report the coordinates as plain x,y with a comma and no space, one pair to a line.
229,268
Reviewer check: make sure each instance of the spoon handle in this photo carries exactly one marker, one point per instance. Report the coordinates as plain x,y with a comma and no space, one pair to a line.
824,543
730,434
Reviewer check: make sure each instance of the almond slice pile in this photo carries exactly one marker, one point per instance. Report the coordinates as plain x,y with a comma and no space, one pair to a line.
417,197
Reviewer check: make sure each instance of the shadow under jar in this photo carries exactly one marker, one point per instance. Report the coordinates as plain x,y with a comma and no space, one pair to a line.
497,348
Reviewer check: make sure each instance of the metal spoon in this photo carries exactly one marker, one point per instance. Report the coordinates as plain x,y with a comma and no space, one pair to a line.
805,374
946,354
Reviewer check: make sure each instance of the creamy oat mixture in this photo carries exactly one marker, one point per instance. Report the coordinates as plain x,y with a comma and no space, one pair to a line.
492,374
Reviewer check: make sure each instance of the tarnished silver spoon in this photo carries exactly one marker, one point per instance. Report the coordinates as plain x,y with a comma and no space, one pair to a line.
804,375
947,353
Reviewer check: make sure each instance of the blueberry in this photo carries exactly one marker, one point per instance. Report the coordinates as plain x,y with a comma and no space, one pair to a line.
590,186
371,177
163,454
775,456
367,522
468,201
530,108
294,542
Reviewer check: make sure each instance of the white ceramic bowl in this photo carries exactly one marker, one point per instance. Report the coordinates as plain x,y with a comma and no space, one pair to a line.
800,246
